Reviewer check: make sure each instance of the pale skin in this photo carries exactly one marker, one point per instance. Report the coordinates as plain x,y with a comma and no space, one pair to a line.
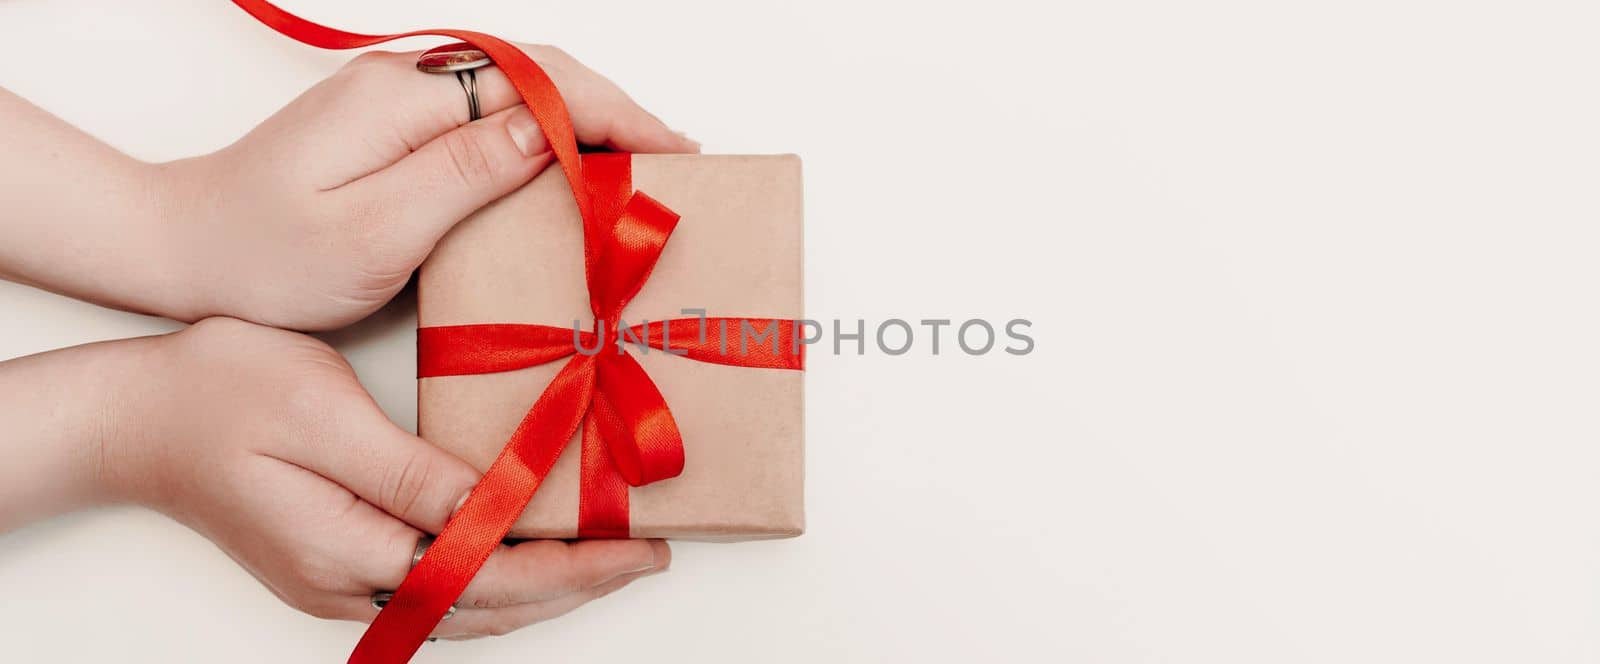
258,437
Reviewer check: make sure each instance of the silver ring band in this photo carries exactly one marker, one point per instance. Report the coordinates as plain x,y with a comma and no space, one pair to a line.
423,543
469,82
381,598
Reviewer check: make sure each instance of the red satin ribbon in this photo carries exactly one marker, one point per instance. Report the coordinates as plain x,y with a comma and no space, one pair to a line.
629,435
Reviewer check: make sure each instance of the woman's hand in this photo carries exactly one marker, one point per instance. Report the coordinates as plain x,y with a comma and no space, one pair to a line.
311,221
318,216
263,441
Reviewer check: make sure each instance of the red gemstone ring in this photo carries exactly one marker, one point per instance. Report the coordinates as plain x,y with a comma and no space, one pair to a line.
461,59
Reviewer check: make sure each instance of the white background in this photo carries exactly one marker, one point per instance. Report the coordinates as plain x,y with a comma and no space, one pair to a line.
1313,285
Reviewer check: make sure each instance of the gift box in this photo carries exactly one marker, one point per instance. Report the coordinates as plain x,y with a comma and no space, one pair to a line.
736,251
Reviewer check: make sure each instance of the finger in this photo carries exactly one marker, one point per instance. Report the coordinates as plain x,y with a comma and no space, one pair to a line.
304,536
475,623
602,114
544,570
393,470
421,196
533,571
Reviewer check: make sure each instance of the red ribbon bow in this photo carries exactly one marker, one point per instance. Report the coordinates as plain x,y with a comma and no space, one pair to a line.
629,435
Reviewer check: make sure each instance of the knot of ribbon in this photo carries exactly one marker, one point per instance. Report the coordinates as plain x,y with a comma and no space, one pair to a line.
629,435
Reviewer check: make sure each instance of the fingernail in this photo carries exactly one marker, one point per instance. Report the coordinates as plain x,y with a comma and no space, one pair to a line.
662,554
525,132
459,503
655,561
694,144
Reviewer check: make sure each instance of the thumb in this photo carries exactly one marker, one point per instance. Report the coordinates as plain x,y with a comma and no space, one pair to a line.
396,471
425,193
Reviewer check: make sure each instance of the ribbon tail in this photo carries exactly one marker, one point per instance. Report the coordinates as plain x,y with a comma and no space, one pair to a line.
602,493
482,521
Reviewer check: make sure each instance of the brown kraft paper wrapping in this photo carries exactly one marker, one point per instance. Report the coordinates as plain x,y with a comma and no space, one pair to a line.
737,251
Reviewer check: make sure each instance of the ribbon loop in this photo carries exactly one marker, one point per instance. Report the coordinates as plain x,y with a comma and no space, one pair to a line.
636,242
639,429
632,229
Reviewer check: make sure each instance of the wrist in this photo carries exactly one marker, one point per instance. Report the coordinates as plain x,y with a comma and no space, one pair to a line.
127,424
181,213
68,419
141,443
92,223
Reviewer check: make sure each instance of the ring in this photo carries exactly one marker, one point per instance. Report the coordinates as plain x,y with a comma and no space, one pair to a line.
423,543
381,598
462,60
